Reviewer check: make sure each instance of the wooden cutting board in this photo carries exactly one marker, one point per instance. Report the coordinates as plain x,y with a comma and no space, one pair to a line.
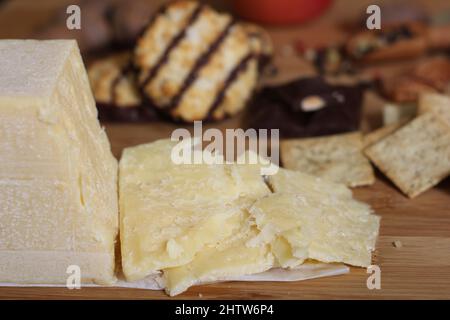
420,268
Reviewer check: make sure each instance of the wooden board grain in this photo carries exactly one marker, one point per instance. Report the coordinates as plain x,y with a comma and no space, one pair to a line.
419,269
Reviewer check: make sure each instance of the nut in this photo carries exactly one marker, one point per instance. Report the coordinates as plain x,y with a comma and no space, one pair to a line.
312,103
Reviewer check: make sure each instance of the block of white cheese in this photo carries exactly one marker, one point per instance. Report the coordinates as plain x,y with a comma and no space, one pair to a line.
300,227
58,178
171,212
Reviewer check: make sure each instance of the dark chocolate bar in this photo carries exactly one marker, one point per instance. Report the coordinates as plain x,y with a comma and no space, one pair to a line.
285,107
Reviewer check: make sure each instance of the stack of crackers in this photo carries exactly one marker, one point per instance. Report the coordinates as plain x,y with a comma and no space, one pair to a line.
414,155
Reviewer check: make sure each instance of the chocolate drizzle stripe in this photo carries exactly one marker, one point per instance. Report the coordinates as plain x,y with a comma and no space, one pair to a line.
172,45
232,76
114,85
162,10
151,21
199,64
120,76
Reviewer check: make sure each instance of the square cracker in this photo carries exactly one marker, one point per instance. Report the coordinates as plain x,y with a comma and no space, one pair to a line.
338,158
415,157
434,102
380,133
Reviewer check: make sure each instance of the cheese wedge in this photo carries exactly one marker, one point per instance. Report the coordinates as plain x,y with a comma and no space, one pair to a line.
58,178
170,212
328,230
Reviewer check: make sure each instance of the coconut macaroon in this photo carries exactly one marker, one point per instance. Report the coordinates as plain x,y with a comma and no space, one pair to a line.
195,63
261,43
113,82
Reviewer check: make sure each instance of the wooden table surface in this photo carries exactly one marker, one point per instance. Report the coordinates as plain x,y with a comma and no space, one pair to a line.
420,268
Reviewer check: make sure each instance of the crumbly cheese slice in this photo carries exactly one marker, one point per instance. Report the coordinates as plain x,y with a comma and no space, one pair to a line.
170,212
155,236
194,222
58,178
150,166
307,185
230,258
247,175
330,230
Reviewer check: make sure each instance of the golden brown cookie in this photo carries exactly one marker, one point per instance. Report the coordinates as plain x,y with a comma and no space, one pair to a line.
260,41
113,82
195,63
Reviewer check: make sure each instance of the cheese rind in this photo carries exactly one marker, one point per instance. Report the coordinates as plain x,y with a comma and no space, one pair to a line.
58,195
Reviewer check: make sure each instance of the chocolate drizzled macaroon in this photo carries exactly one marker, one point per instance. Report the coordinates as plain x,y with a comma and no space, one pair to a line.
261,43
113,83
194,63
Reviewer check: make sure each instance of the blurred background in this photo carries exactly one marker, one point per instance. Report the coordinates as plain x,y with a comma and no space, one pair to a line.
318,22
301,31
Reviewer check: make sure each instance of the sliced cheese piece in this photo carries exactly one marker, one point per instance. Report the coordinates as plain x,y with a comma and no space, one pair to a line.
150,166
230,258
58,178
155,237
337,230
282,250
247,176
307,185
169,211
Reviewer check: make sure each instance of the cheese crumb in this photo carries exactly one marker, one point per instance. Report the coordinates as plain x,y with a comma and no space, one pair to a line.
397,244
